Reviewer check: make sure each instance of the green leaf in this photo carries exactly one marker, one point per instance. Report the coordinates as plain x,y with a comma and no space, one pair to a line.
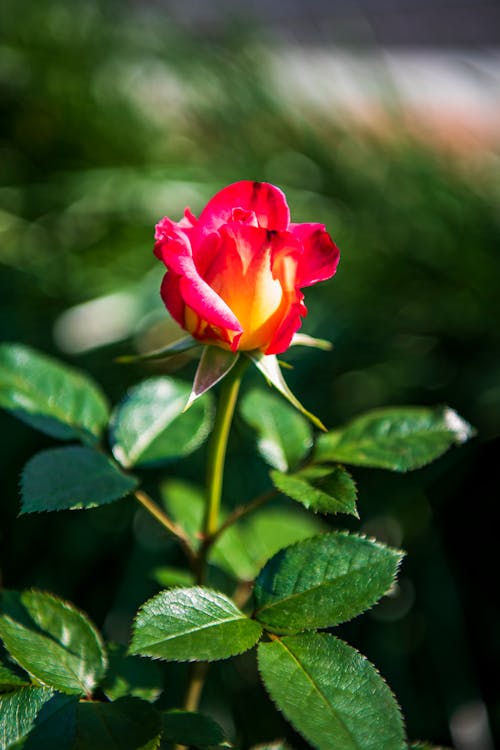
9,680
284,436
399,439
330,693
320,582
177,347
192,624
185,503
50,396
59,647
269,367
70,478
149,427
278,745
34,718
126,724
191,728
169,576
130,675
243,549
320,489
215,364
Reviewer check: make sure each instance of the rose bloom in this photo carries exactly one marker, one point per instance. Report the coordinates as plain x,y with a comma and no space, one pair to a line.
234,275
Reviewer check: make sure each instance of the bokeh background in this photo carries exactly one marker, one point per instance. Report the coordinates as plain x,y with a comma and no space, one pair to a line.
380,119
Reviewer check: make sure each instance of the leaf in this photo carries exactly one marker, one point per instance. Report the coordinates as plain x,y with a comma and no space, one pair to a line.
130,675
191,728
34,718
320,582
399,439
242,549
185,503
278,745
71,478
50,396
125,724
192,624
9,680
177,347
320,489
215,364
330,693
149,427
284,436
302,339
269,367
170,576
60,647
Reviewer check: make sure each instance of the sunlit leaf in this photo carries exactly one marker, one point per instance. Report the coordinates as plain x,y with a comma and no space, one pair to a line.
70,478
320,582
55,643
36,718
284,436
398,439
321,489
215,364
149,427
330,693
50,395
192,624
269,367
9,679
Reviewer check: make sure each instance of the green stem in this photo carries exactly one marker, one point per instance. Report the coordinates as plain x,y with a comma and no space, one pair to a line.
218,445
215,475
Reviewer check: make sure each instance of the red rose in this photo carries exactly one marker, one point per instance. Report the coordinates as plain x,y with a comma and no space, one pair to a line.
234,275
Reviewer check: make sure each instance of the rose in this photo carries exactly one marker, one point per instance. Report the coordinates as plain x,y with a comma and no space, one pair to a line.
234,275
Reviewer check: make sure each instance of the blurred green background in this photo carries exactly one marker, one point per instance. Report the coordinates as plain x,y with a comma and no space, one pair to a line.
113,116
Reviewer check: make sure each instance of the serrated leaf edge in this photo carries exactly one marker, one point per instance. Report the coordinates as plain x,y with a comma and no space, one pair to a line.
327,636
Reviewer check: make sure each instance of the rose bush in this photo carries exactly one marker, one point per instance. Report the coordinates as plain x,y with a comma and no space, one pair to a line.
234,275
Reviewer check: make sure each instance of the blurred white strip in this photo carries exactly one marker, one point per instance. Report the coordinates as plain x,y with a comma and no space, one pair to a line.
101,321
470,728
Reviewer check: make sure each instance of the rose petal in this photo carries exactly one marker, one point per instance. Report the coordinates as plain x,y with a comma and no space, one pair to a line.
171,296
175,251
320,256
290,324
266,201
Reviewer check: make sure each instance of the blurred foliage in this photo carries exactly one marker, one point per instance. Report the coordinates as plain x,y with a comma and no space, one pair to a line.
112,117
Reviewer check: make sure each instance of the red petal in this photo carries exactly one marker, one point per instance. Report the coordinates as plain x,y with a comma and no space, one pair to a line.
320,257
174,249
291,323
171,296
266,201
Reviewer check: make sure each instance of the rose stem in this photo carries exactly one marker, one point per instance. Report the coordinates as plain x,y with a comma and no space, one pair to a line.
218,445
215,475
